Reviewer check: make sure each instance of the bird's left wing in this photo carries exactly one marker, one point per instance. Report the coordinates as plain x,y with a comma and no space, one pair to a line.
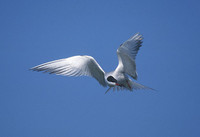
74,66
127,53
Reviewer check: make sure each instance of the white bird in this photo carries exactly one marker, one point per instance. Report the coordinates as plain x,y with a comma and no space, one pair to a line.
88,66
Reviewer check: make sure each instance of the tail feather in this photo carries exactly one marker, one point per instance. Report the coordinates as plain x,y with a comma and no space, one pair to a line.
137,86
133,86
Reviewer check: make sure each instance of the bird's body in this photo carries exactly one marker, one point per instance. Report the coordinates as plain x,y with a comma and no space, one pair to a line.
88,66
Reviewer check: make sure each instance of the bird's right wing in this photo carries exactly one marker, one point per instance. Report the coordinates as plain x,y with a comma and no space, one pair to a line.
74,66
127,53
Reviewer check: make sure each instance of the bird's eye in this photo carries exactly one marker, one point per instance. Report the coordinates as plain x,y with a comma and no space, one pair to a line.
111,79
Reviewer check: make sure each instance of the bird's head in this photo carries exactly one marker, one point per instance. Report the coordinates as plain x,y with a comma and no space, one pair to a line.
112,81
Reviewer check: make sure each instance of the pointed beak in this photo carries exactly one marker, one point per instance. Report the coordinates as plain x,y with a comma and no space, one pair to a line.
117,84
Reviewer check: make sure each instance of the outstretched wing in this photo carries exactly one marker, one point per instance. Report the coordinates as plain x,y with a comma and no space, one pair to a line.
74,66
127,53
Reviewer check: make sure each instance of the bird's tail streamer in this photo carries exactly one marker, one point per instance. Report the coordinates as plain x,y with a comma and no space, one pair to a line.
134,86
137,86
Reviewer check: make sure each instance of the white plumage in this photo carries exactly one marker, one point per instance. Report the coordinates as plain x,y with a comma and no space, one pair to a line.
87,66
74,66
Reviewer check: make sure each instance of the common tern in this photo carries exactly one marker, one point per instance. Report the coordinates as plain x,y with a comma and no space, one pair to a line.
87,66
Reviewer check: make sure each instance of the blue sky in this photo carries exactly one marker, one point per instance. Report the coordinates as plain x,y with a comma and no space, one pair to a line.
41,105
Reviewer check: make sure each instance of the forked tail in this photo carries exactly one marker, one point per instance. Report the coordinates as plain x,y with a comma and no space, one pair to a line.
133,86
137,86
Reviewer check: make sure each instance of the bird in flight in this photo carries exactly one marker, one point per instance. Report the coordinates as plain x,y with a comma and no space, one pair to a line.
88,66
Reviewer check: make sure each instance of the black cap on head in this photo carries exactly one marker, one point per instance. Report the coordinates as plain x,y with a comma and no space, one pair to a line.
111,79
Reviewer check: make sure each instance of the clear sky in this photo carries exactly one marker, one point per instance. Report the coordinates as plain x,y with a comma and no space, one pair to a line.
41,105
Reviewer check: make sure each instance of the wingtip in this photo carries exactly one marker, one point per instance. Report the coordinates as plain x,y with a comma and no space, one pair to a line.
137,36
34,69
31,69
138,33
